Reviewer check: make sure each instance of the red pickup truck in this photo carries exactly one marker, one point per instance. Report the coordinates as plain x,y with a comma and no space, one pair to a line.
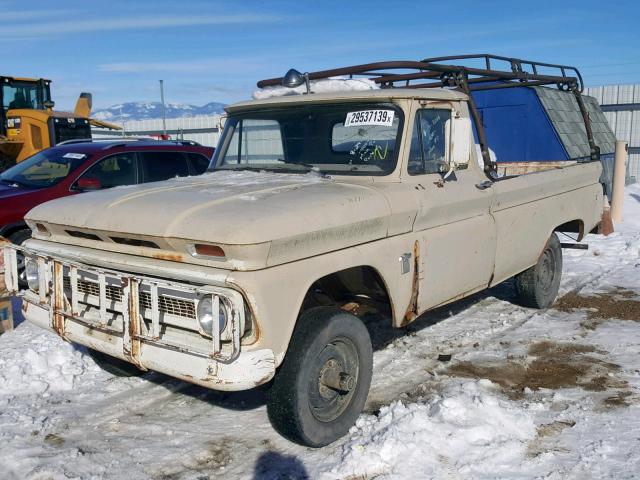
79,166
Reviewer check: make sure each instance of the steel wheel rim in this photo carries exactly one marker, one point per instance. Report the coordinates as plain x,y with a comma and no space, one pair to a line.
327,403
547,270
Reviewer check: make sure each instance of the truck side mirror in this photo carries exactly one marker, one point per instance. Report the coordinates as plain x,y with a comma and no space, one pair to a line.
462,141
88,184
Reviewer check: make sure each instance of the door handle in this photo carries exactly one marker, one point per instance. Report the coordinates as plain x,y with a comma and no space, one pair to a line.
484,185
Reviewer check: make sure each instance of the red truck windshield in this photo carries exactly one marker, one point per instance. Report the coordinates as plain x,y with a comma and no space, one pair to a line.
43,169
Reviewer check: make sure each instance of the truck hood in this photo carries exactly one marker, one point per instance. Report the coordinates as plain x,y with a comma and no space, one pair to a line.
296,214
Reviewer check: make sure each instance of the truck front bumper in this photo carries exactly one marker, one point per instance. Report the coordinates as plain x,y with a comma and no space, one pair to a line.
125,316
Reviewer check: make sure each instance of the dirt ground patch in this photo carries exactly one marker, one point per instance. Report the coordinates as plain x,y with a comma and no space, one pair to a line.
620,304
549,365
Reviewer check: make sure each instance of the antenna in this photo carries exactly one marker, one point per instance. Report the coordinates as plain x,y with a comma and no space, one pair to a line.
164,116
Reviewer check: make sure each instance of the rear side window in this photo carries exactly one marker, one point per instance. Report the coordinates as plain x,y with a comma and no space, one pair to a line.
158,166
199,163
114,171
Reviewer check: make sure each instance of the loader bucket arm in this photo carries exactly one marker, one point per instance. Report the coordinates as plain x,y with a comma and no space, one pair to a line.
101,124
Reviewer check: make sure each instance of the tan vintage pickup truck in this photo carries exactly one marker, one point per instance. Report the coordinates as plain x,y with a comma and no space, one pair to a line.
316,204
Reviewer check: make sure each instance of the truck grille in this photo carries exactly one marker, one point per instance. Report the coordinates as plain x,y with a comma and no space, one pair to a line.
166,304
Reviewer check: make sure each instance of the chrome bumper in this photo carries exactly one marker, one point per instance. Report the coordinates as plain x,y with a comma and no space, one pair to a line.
103,309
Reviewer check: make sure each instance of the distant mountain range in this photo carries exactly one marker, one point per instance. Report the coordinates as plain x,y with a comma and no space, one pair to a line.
152,110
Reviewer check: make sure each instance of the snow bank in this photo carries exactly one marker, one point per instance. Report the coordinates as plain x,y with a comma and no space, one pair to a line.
467,430
36,361
337,84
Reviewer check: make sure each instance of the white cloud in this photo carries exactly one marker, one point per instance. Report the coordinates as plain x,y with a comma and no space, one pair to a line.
9,15
42,29
207,65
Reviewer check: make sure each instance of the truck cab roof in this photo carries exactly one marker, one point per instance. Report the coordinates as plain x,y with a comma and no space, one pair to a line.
342,96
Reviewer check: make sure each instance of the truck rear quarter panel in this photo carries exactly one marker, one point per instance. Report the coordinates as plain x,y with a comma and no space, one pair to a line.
528,208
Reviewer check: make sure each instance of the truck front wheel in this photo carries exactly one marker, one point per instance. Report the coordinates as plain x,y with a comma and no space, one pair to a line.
324,380
537,287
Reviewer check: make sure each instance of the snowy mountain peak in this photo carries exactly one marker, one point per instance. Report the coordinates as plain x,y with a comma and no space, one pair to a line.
151,110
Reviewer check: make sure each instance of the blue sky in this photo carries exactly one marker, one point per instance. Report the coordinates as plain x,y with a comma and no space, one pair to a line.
216,51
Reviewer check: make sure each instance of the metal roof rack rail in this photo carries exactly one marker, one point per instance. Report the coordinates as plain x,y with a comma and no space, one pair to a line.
432,73
75,140
99,140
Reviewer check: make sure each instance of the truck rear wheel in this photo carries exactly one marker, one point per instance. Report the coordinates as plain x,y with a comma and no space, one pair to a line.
537,287
323,383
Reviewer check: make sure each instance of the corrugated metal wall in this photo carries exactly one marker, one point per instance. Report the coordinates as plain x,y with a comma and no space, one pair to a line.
621,106
203,130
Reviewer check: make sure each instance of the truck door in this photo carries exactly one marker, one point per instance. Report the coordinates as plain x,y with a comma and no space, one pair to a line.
456,232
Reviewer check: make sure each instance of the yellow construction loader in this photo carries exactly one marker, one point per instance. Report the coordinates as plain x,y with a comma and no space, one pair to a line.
28,123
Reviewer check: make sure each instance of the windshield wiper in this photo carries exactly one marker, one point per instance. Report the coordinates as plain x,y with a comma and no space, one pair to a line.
282,165
308,166
13,183
233,166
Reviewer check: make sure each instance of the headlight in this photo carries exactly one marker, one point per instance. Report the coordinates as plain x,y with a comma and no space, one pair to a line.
206,316
31,273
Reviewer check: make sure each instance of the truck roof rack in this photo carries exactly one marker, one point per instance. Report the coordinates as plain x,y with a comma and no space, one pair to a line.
402,73
459,74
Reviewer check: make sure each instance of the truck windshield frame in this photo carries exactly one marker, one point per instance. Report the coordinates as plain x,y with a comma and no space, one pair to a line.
351,138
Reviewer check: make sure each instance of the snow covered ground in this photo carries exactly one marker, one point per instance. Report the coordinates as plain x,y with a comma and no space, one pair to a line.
527,394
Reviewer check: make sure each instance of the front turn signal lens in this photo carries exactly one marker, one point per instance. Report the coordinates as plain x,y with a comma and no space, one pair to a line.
42,230
204,250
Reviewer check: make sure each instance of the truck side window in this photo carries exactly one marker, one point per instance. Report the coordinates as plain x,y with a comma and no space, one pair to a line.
428,153
114,171
158,166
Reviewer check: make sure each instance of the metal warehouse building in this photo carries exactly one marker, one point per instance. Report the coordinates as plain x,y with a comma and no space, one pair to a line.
621,106
203,129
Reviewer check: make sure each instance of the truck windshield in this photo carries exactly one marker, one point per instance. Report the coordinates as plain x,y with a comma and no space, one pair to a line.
345,139
43,169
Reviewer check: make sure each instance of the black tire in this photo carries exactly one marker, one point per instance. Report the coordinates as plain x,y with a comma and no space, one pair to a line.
327,344
18,238
113,365
537,287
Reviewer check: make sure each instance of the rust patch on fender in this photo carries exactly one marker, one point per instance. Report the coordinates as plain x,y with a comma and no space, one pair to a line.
412,309
172,257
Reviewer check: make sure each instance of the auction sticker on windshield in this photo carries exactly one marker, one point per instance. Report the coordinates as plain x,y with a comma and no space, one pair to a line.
74,156
369,117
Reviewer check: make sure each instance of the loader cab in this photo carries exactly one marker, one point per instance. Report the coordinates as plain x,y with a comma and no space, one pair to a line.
22,93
